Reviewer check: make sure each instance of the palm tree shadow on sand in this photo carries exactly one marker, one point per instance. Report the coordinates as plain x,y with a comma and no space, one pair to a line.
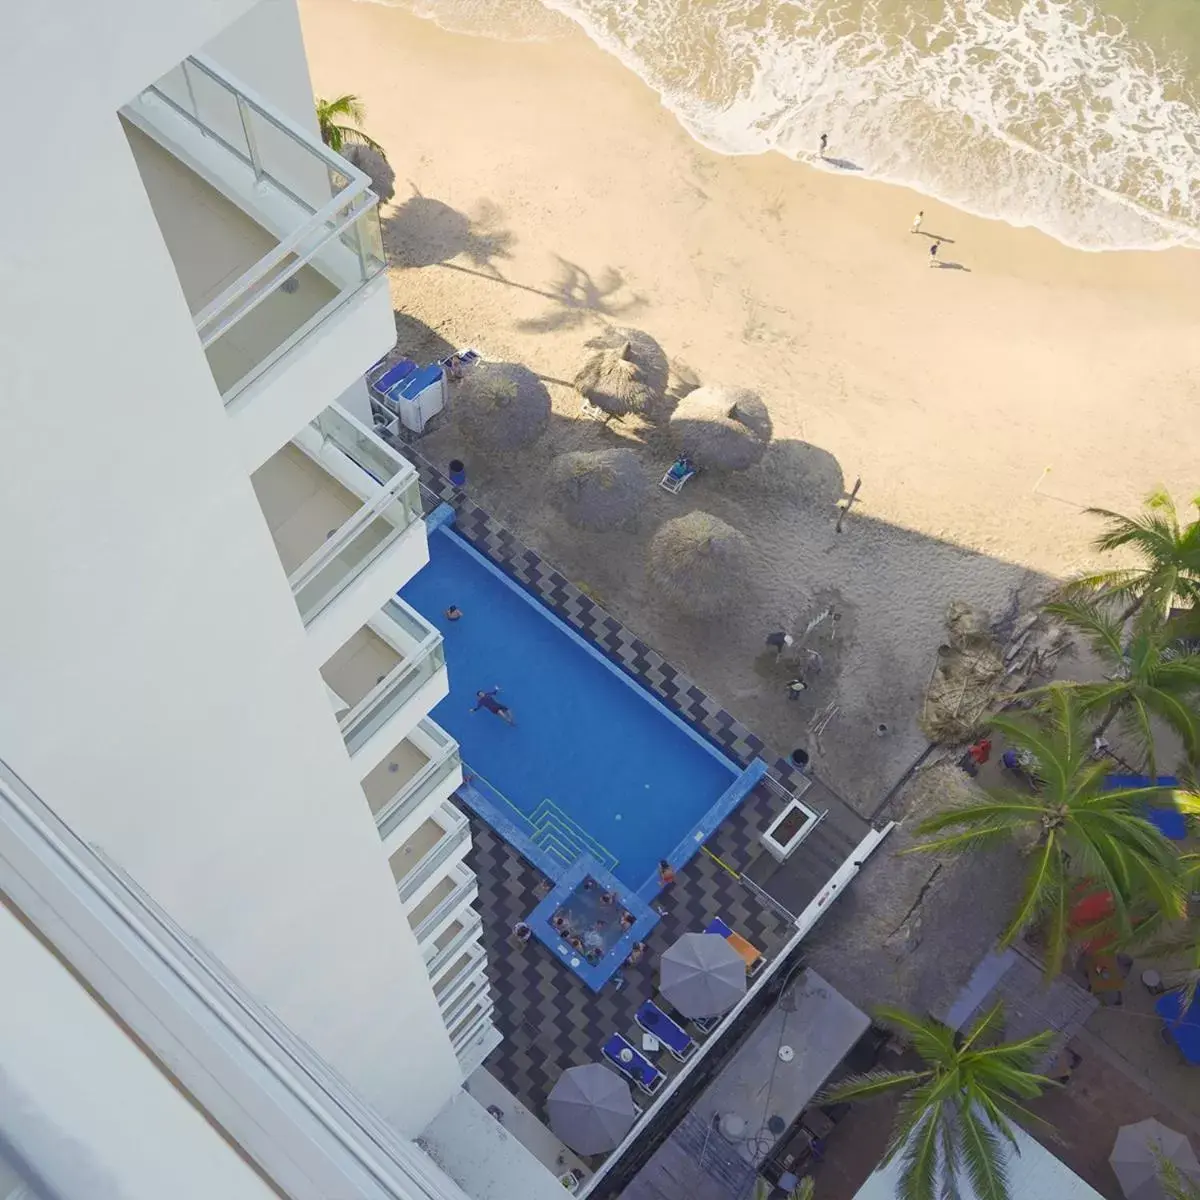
578,295
424,232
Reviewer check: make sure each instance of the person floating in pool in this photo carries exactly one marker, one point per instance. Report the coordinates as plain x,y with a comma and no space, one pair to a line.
498,707
453,613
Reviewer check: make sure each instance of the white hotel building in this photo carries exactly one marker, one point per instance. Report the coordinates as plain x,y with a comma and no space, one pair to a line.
226,837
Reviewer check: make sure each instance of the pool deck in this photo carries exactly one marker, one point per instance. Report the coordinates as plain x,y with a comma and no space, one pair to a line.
549,1017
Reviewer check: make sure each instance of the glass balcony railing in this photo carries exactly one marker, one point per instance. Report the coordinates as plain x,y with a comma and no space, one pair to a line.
384,517
442,763
399,686
471,931
461,890
456,834
316,207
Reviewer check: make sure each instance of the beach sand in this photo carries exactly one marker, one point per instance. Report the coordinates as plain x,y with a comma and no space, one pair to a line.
543,192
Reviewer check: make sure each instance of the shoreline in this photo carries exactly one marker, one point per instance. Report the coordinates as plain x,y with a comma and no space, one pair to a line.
722,257
1177,234
544,193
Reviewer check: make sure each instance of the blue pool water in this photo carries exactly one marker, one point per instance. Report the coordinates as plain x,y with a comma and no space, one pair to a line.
593,765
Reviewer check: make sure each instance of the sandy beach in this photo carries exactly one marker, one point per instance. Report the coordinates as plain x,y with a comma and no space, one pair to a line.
543,192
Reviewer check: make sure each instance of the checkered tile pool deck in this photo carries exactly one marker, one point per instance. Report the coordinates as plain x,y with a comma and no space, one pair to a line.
549,1018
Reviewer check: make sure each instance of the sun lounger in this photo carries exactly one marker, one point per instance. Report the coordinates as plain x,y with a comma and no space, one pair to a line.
655,1022
751,955
634,1065
680,471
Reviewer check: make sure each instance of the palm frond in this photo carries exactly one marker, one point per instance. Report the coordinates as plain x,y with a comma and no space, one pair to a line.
1045,874
919,1162
984,1157
869,1085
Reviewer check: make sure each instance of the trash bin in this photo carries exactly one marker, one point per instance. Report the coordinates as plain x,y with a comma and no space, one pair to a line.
458,473
799,758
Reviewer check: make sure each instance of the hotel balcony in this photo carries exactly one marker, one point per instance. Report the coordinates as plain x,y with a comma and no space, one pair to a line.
438,844
443,951
447,900
344,511
275,241
417,775
384,680
473,1035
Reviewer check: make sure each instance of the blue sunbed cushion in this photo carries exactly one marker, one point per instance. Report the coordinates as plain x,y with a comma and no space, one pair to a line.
420,379
395,374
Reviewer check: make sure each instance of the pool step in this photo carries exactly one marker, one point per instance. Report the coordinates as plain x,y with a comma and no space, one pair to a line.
556,834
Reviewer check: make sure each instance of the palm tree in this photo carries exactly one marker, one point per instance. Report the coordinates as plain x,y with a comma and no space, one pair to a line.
340,122
1170,554
1152,674
1073,828
954,1111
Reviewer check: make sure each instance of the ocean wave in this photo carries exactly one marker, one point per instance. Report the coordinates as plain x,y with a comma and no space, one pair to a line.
499,20
1043,113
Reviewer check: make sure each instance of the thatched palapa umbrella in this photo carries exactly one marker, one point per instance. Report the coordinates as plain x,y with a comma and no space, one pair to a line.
640,349
614,383
600,489
723,428
372,164
699,564
501,406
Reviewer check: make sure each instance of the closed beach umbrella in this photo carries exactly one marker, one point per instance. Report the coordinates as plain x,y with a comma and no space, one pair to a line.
722,427
501,406
699,564
702,975
1135,1159
614,382
591,1108
598,489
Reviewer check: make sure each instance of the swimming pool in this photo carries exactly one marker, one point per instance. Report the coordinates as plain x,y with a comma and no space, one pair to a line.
594,764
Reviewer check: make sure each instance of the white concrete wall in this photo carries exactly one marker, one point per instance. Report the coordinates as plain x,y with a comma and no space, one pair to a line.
159,690
483,1158
85,1108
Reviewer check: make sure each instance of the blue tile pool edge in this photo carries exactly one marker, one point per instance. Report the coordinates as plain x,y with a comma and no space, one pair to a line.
442,522
597,975
688,846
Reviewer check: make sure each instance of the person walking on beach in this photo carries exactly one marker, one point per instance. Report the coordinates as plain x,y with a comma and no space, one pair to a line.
824,143
498,707
779,641
916,225
933,260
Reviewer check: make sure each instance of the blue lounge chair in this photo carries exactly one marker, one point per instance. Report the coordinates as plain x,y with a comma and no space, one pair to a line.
638,1069
655,1022
680,471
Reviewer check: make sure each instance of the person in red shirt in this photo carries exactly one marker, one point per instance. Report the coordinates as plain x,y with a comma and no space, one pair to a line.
666,876
980,751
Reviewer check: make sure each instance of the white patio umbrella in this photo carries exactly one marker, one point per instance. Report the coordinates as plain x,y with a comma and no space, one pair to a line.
702,975
590,1108
1135,1158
